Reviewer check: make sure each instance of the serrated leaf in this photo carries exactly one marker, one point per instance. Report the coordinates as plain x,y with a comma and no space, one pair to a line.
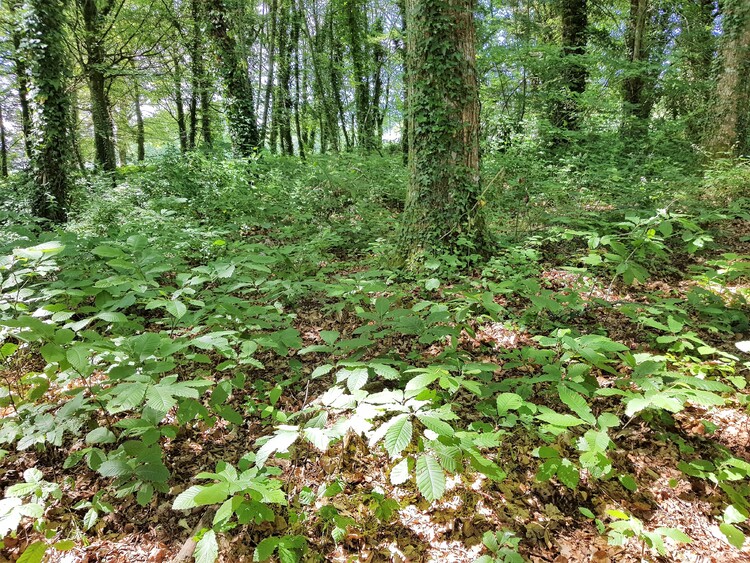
207,548
576,403
176,308
568,474
160,398
318,437
400,472
357,379
78,357
436,425
398,436
430,478
114,468
213,494
508,402
186,499
628,482
562,420
422,380
279,442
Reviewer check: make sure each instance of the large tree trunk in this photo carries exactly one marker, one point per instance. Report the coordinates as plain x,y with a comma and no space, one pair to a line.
730,132
238,90
95,65
283,102
356,27
201,91
22,81
444,201
50,73
565,111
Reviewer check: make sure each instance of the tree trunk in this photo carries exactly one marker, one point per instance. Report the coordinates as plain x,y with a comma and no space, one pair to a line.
50,72
443,209
283,102
730,132
271,41
22,81
378,59
296,24
238,90
356,27
180,103
3,147
94,67
637,108
565,111
140,130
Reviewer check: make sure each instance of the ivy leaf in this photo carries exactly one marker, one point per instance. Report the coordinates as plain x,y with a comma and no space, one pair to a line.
207,548
398,436
430,478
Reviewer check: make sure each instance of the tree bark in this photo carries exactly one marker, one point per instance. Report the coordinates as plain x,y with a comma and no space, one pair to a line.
356,27
565,112
22,81
637,108
271,47
93,13
50,73
443,209
3,147
730,131
140,130
180,103
238,90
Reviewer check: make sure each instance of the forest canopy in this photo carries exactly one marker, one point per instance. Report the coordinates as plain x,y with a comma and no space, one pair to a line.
366,280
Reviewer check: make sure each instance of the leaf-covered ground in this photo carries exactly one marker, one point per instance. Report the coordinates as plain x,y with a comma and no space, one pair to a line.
227,352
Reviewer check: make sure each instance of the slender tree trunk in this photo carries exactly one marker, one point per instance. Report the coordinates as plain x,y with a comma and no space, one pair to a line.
140,130
732,109
565,111
3,147
444,201
74,131
296,16
50,72
378,59
22,82
95,68
271,46
180,103
283,102
238,90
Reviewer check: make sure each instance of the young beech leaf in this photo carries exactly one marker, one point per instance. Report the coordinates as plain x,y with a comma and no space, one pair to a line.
207,548
400,472
398,436
430,478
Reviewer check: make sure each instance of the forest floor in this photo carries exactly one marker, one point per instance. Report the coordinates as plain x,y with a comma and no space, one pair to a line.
648,482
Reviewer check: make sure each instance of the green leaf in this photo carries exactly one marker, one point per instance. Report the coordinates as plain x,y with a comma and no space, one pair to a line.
734,536
398,436
508,402
213,494
34,553
568,474
207,548
423,380
114,468
78,357
186,499
176,308
628,482
265,549
400,472
675,534
557,419
436,425
576,403
101,435
430,478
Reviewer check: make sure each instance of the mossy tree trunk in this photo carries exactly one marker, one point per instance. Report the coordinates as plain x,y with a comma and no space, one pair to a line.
238,90
636,107
51,156
443,209
565,111
732,109
95,29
